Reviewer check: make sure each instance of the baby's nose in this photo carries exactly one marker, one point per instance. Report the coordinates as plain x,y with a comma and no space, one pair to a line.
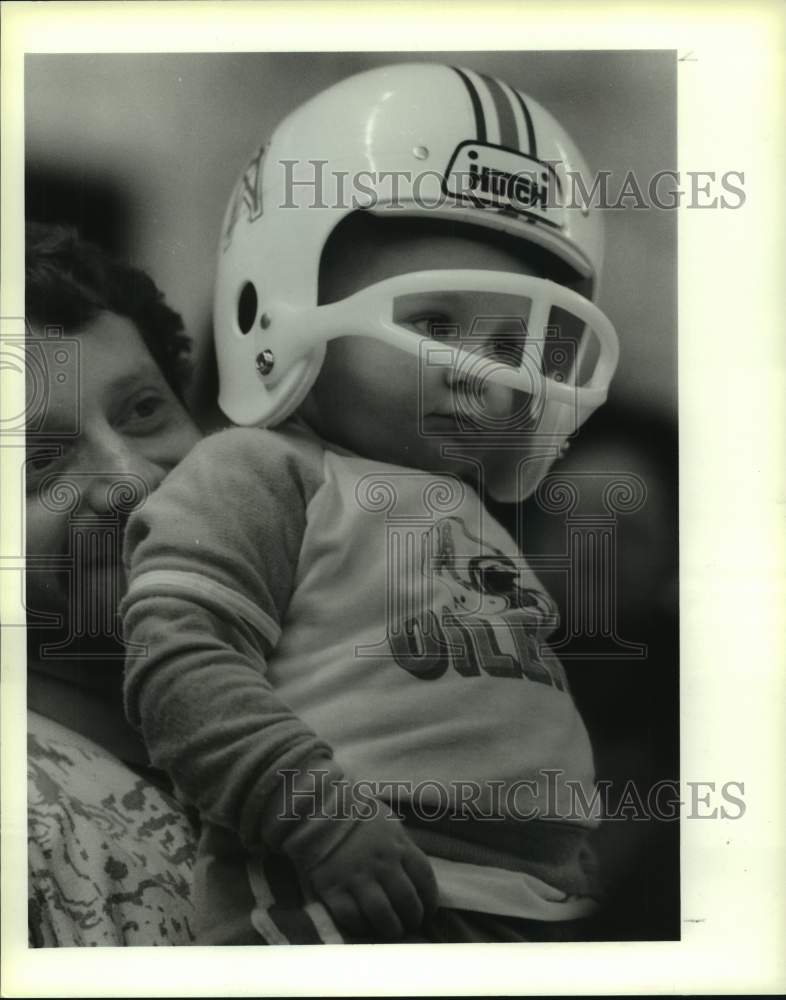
476,394
497,400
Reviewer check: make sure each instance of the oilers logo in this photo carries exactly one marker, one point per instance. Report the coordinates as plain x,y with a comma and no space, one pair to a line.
484,583
490,176
476,614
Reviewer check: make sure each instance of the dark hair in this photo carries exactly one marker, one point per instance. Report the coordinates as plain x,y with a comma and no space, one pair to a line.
69,281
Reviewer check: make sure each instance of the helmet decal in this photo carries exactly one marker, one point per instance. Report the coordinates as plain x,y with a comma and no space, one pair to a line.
247,194
486,175
498,170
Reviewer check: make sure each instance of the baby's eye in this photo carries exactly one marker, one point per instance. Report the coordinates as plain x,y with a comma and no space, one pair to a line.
435,325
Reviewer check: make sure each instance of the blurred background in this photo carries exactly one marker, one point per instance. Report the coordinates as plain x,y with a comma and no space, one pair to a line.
140,152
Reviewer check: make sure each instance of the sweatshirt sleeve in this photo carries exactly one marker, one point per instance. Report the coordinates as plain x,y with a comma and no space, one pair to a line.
212,557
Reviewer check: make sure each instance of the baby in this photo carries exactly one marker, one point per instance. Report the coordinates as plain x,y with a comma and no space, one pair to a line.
344,663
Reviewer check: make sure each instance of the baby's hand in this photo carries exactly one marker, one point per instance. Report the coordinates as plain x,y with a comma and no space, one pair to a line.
376,882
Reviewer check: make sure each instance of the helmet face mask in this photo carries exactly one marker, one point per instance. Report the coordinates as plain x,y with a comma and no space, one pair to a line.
428,142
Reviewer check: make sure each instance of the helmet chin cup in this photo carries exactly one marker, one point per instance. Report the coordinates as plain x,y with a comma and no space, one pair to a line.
531,458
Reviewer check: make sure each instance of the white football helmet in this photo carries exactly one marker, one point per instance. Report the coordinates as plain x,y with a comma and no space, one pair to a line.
420,140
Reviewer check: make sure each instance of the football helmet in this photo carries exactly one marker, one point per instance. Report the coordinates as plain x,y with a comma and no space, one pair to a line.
412,140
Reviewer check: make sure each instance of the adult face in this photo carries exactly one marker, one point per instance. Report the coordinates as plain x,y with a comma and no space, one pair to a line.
85,475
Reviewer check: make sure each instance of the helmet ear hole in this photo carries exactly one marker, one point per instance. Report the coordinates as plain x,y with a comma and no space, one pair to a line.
246,307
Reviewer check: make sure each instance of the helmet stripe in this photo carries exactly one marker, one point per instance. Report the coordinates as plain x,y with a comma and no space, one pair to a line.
508,133
477,107
533,148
